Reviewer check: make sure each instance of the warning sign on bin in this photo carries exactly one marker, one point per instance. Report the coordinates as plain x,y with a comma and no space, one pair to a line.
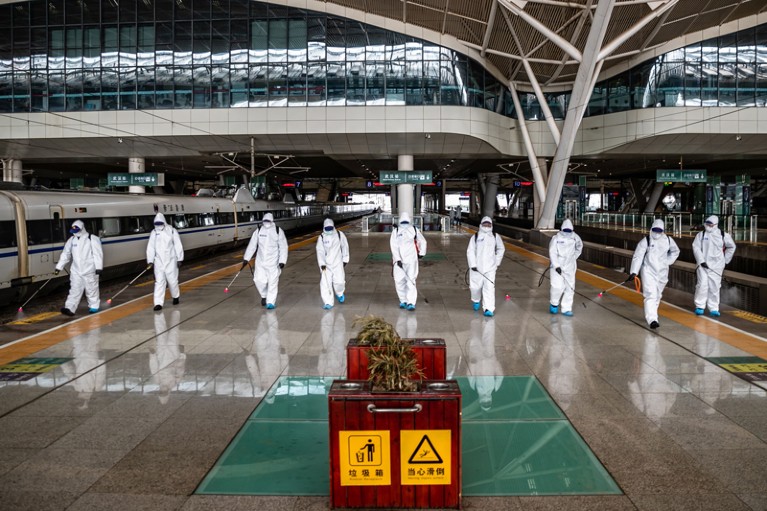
364,458
425,456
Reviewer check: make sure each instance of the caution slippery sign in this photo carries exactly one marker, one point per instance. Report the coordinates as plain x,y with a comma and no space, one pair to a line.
425,456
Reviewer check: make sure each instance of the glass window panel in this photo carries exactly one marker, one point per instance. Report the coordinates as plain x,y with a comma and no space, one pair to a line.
21,82
73,12
182,79
728,49
145,11
37,14
74,42
336,79
39,91
278,85
746,46
201,96
91,90
92,42
239,85
201,9
316,38
6,89
146,38
56,12
709,80
746,80
431,82
181,10
414,51
761,83
642,78
297,84
335,42
56,98
476,88
494,98
356,41
297,41
375,93
127,12
109,12
259,82
127,89
164,86
110,38
145,87
6,45
21,41
128,36
164,36
220,9
355,83
182,38
220,87
259,41
220,37
414,83
91,11
109,89
163,10
278,40
316,84
727,84
453,88
238,33
395,83
619,94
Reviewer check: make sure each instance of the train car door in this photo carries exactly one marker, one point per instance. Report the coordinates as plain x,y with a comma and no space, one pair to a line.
222,219
58,233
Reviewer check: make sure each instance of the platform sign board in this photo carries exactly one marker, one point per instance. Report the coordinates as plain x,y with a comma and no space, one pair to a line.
401,177
136,179
425,456
364,458
680,176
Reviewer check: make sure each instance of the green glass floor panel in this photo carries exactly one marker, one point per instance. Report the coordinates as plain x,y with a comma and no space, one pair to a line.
736,360
518,458
379,257
273,458
296,398
505,398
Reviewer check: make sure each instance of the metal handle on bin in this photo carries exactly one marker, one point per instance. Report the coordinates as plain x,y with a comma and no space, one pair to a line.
372,409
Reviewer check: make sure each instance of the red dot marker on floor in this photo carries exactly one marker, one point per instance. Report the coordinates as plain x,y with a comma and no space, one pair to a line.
226,290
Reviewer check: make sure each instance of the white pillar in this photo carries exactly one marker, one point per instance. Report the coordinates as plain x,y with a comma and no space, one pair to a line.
491,191
405,192
136,166
12,171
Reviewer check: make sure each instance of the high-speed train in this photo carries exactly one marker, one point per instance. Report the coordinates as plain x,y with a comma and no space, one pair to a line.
34,225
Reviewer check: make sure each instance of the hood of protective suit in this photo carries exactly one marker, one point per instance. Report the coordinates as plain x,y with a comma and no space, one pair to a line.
657,223
567,224
483,228
268,218
328,223
159,217
405,217
712,219
81,226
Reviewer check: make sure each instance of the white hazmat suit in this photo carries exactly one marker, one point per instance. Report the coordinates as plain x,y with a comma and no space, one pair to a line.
332,255
407,246
84,251
484,254
270,247
652,257
166,253
565,248
713,249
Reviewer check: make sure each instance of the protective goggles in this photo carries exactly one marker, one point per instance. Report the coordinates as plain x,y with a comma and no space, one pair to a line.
74,230
328,228
567,230
657,229
710,224
487,224
404,222
159,224
267,222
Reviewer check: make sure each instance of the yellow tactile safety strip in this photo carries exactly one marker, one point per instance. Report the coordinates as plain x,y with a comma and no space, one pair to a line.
729,335
34,319
750,316
32,344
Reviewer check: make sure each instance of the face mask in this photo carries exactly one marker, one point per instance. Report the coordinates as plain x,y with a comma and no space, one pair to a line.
75,230
567,232
709,227
328,228
486,228
267,224
656,234
159,226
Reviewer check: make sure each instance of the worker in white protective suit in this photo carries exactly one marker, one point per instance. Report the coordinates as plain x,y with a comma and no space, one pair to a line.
84,251
652,258
270,247
713,249
165,253
332,256
407,246
485,253
167,360
565,248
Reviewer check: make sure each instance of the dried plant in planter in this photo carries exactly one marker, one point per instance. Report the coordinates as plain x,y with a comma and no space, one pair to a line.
391,361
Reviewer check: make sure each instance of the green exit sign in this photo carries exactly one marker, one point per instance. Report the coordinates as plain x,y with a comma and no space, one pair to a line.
401,177
135,179
680,176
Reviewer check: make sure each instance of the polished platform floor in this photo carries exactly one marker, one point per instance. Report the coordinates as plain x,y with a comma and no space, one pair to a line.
130,409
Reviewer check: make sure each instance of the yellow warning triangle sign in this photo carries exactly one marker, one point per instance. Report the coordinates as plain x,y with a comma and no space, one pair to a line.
425,453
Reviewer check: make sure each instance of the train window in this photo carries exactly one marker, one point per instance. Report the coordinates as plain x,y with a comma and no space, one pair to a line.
225,218
207,219
177,221
39,232
7,234
109,227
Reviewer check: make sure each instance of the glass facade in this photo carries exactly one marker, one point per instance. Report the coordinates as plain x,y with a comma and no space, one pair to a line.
75,55
82,55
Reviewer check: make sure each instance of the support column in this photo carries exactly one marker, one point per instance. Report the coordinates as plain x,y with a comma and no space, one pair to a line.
491,191
442,198
654,198
537,203
405,191
588,70
473,200
136,166
12,171
418,207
